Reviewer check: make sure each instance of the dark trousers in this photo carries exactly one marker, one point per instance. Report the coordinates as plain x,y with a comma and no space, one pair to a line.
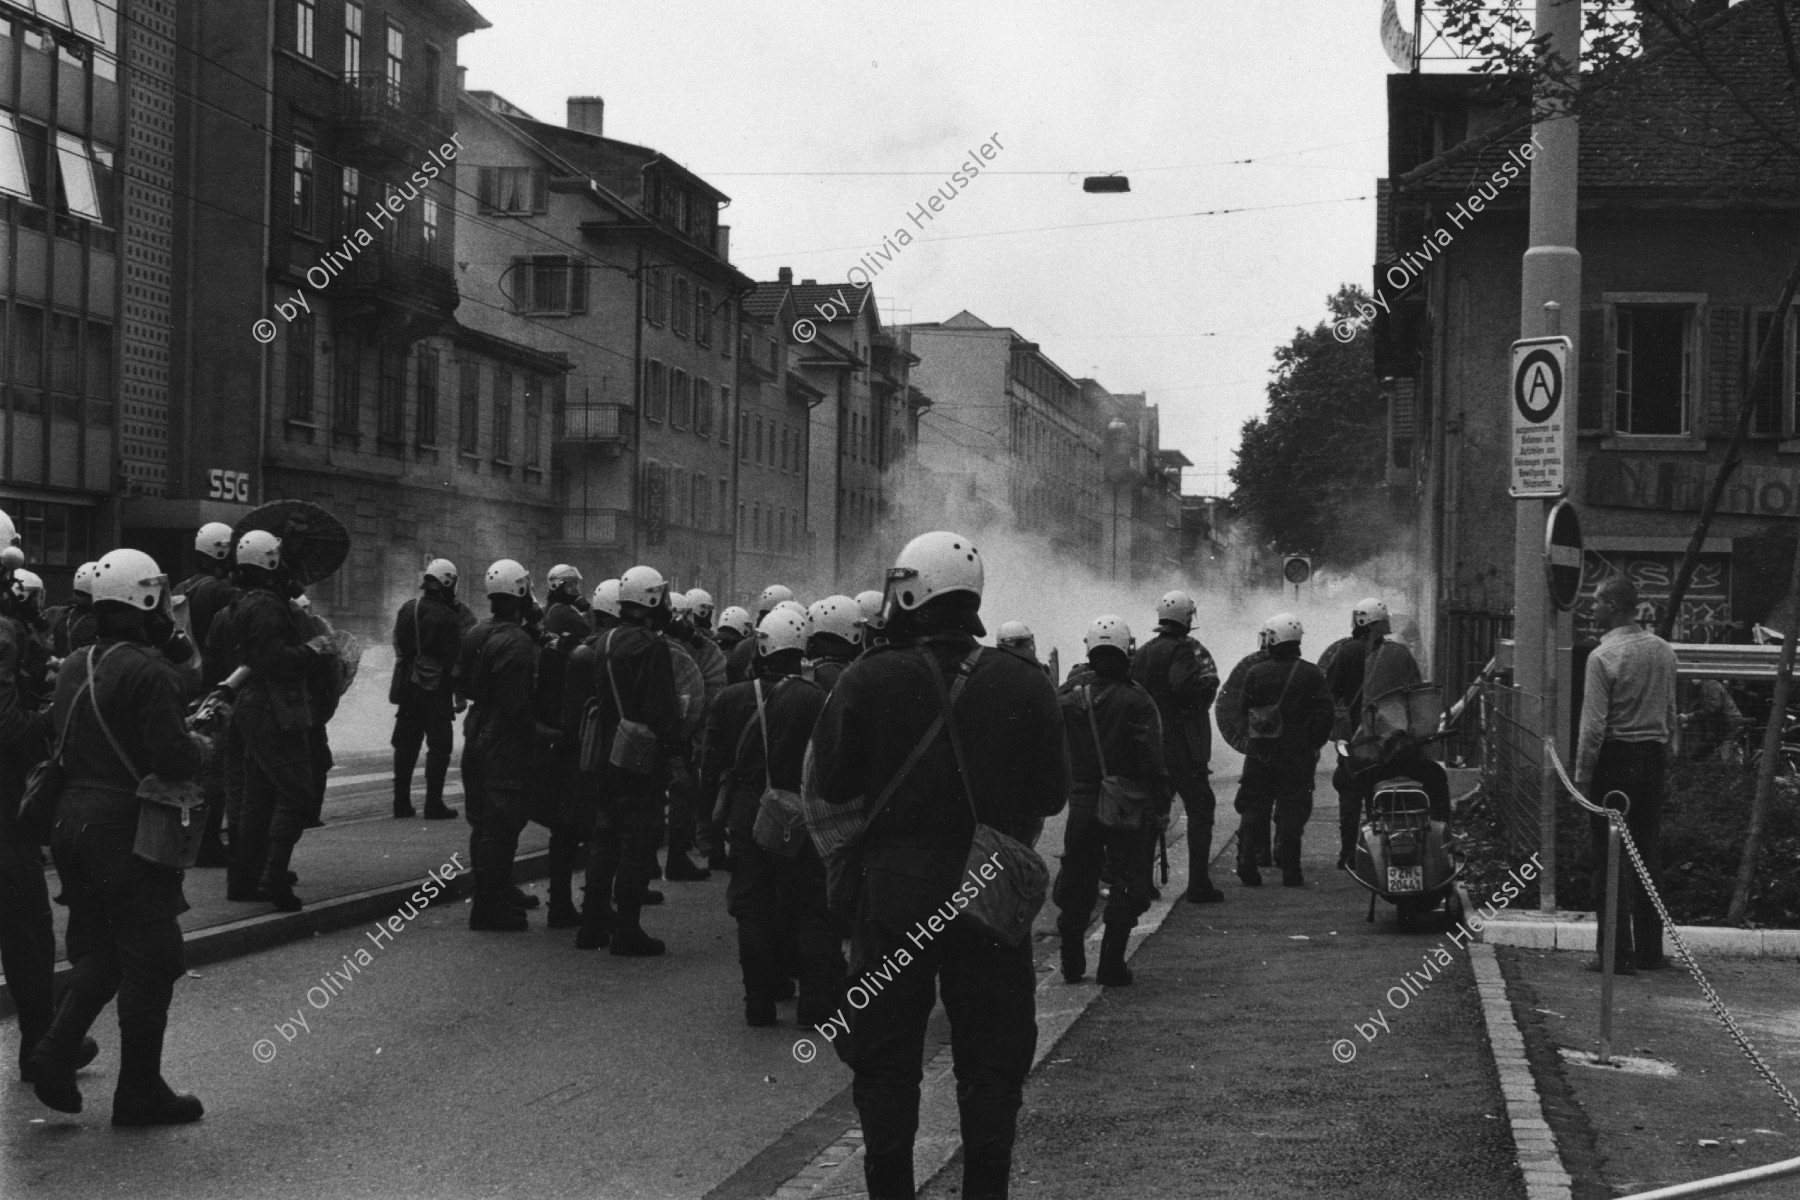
496,816
1640,770
212,781
989,995
1200,804
623,845
414,728
1088,848
1286,794
28,949
772,897
123,938
276,767
1350,800
322,762
684,814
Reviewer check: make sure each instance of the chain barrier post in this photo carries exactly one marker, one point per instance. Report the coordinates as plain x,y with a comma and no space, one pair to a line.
1608,942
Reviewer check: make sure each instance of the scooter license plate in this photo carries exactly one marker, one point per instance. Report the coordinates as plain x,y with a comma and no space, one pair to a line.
1406,879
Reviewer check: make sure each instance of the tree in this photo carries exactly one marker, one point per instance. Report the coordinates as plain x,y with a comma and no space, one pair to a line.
1309,471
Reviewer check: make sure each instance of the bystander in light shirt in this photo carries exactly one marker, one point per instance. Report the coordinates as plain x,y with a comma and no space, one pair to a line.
1629,695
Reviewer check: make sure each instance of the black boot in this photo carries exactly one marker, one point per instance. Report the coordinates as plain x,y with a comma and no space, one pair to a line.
277,888
439,812
629,939
597,922
497,914
889,1176
52,1063
142,1097
759,994
681,869
1074,957
518,897
1247,872
1112,971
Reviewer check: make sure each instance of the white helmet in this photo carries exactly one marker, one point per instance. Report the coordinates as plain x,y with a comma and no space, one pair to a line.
84,579
1176,606
1016,634
508,578
214,540
795,607
28,582
562,573
702,601
679,603
1282,627
870,603
12,556
838,616
932,565
606,597
1367,612
780,630
443,571
1109,631
259,548
9,533
129,577
738,619
303,602
643,586
772,595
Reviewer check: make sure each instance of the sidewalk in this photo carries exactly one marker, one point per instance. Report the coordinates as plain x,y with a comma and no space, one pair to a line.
357,867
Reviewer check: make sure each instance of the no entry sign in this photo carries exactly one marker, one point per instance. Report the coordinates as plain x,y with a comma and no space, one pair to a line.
1562,555
1538,387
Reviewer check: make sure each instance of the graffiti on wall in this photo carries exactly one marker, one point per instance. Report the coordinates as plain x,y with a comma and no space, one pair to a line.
1705,608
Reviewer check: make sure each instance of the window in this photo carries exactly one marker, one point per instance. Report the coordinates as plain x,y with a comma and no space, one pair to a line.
349,200
1767,418
14,179
305,17
656,296
703,408
656,391
346,401
1652,368
353,29
468,408
428,229
681,399
756,526
390,394
759,441
678,317
65,353
534,420
28,346
503,414
724,416
300,368
390,232
725,339
703,322
303,188
550,284
396,58
740,522
512,190
98,357
723,512
434,76
80,191
428,396
743,437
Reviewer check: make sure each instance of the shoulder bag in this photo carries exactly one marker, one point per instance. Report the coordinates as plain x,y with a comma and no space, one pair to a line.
780,824
44,784
1266,721
171,814
633,744
1010,901
427,670
1122,802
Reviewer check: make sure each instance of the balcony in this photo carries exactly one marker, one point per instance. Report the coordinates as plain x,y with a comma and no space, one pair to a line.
597,424
402,294
379,121
598,527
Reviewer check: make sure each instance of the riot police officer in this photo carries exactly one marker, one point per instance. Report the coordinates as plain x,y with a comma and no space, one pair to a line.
428,633
835,638
1287,712
1180,676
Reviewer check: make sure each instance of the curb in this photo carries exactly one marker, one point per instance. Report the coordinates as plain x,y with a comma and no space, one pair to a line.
1545,1178
234,939
1576,930
835,1173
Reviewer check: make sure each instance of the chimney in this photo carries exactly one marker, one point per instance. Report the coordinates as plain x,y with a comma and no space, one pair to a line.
786,276
809,283
462,79
585,114
724,243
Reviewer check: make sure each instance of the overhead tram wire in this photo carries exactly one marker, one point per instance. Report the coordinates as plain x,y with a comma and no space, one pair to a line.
1258,159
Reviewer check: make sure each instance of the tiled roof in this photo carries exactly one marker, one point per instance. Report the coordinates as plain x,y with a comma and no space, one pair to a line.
1670,125
764,300
811,299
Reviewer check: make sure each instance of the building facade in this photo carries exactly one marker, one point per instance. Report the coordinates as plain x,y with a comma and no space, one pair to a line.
776,539
1684,246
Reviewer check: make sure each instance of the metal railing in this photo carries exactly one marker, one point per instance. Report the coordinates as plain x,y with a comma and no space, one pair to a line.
594,526
596,423
1512,764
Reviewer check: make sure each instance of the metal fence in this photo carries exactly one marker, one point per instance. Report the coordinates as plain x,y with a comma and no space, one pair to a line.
1512,763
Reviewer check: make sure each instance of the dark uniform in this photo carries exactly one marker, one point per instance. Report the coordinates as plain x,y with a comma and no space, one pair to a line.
1182,679
209,594
325,687
1278,773
740,661
27,934
827,669
495,673
1011,732
690,822
122,936
765,886
271,737
1132,736
433,626
72,626
628,821
560,803
1234,728
1344,682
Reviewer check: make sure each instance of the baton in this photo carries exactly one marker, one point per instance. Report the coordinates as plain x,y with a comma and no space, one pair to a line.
1162,842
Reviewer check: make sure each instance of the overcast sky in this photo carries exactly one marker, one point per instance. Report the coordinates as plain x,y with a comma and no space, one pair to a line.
1188,309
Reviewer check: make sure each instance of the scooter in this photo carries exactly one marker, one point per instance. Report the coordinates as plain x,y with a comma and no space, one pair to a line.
1406,858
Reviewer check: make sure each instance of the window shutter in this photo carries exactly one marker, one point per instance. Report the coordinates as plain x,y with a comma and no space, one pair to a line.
1591,403
577,286
484,188
521,284
1728,368
540,190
